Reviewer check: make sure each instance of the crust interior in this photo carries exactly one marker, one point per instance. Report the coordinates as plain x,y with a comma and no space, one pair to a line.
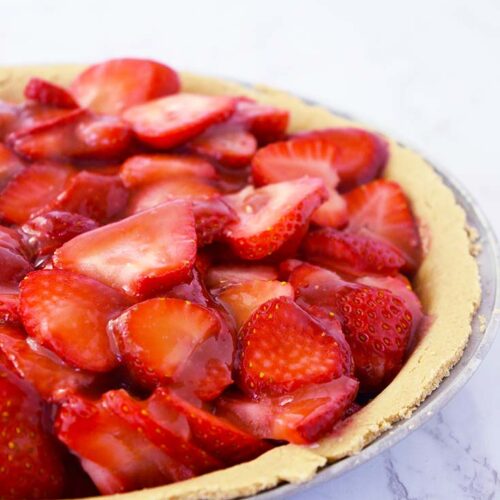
447,283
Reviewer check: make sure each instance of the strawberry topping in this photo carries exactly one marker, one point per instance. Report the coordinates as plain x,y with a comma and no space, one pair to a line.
49,94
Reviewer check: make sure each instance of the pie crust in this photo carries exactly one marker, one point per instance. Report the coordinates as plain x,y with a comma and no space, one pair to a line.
447,284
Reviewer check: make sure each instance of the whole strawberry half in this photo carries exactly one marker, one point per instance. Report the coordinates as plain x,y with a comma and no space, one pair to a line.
30,463
139,255
303,416
271,216
68,313
282,348
168,339
380,209
112,86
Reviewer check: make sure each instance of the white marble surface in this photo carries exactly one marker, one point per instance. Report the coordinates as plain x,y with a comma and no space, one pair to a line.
427,72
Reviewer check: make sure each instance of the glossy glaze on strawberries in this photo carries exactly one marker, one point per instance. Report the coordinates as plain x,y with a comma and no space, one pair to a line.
184,285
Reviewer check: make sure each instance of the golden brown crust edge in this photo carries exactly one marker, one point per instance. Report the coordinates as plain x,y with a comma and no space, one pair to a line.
447,283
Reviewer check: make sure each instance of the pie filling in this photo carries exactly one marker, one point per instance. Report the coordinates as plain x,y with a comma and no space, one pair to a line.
184,285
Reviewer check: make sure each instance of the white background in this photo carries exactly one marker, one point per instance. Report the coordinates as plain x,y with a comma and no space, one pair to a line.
427,72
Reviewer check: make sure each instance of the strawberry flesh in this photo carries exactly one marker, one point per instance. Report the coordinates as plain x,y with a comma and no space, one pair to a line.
381,210
49,94
115,85
139,255
282,348
15,264
222,276
302,417
173,120
211,217
271,216
10,165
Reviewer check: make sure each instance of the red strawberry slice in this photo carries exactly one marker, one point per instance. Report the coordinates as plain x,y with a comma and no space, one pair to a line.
146,169
222,276
352,254
14,262
165,428
16,117
243,299
141,254
380,209
53,379
49,94
46,233
266,123
9,312
114,454
301,417
157,343
231,148
99,197
296,158
215,435
10,165
361,155
271,216
68,313
114,85
186,188
282,348
170,121
32,190
211,217
30,464
78,135
377,326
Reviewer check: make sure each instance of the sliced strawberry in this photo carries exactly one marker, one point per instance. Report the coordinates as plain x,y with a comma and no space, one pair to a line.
377,325
68,313
51,377
215,435
78,135
243,299
272,215
281,348
32,190
46,233
30,463
332,213
187,188
211,218
381,209
266,123
157,344
361,155
222,276
232,148
170,121
99,197
15,264
116,84
16,117
9,308
145,169
10,165
303,416
165,428
141,254
49,94
352,254
115,454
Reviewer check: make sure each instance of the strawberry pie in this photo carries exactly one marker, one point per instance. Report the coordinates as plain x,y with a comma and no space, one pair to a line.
200,277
